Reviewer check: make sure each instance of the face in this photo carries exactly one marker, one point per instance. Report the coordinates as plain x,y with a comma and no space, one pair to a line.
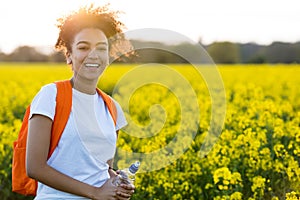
89,56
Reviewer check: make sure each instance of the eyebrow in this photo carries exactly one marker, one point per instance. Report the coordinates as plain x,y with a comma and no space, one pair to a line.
86,42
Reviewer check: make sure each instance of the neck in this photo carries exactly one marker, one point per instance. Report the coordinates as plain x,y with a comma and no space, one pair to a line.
85,86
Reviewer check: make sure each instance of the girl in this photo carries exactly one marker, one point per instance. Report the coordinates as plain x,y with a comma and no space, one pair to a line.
79,167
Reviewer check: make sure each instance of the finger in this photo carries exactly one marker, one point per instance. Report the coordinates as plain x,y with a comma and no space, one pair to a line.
115,194
123,198
129,192
123,191
127,186
114,197
123,195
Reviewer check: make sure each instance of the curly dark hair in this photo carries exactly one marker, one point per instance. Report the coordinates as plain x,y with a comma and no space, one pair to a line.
93,17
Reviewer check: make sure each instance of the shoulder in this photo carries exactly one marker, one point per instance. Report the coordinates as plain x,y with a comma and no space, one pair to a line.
46,91
44,102
49,88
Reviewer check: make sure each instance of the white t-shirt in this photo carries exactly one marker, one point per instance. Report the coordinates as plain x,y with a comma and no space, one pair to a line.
88,140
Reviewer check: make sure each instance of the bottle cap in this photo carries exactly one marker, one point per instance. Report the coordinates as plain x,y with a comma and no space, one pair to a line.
134,167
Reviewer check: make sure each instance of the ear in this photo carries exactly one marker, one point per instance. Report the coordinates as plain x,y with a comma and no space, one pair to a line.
68,58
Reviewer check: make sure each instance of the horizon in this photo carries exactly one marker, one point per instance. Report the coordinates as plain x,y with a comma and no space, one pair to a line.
50,49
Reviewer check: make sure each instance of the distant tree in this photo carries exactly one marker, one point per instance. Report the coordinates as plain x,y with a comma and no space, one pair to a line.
57,57
258,59
2,56
162,53
296,47
194,53
252,53
280,52
147,52
224,52
27,54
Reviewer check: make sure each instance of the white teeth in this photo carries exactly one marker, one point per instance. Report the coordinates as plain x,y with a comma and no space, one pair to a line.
92,65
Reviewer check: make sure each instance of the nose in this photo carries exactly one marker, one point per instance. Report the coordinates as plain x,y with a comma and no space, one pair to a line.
93,54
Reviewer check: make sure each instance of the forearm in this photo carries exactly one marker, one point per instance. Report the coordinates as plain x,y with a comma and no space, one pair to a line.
53,178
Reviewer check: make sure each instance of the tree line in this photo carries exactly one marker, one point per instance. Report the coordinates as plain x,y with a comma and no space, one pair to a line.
220,52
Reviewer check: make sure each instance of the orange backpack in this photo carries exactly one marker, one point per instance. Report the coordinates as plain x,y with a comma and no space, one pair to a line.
21,183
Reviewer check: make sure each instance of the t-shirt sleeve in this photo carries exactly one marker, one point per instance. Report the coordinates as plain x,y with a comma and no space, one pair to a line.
121,120
44,102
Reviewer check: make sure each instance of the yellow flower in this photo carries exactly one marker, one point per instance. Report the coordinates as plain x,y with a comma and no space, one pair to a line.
279,150
236,196
291,196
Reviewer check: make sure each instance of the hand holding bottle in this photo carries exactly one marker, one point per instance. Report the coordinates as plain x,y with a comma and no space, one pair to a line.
127,175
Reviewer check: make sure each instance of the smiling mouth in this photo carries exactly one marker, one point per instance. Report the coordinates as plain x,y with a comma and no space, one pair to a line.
95,65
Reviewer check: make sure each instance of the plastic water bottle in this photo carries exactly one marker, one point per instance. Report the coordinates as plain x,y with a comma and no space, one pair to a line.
127,175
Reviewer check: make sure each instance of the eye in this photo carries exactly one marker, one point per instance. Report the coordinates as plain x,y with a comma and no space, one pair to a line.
102,48
83,47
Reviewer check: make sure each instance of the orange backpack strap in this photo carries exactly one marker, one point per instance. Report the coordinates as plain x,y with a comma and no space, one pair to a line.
110,104
21,183
62,112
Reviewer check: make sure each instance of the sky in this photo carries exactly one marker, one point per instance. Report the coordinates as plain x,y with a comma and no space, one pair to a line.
32,22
